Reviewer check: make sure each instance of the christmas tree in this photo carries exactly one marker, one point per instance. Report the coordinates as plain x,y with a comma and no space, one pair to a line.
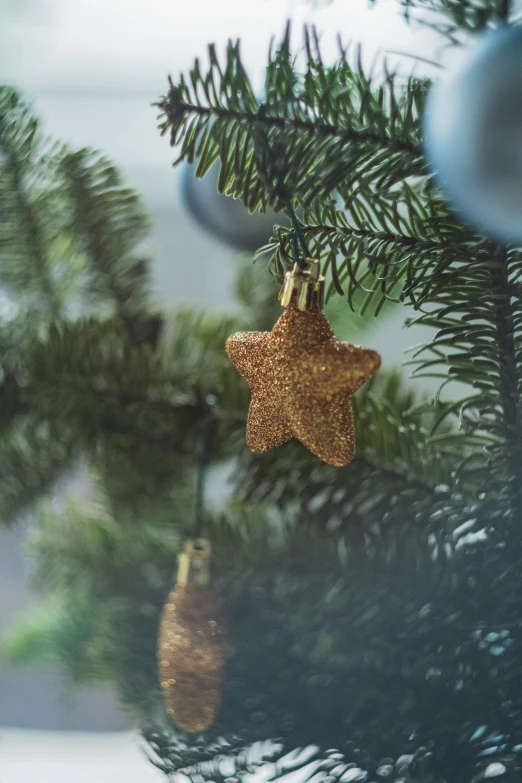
372,610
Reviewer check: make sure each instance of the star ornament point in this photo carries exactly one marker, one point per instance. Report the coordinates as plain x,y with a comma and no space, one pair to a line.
302,379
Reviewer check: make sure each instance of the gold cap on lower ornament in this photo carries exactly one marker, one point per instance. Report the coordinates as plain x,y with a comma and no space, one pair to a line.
304,288
194,563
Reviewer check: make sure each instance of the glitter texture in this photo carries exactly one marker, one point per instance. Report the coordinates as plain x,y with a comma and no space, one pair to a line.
191,656
302,380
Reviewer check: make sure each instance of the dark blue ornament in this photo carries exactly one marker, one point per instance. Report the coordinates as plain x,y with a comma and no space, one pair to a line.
473,134
225,218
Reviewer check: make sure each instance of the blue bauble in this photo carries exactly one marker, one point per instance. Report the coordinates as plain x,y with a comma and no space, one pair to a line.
223,217
473,134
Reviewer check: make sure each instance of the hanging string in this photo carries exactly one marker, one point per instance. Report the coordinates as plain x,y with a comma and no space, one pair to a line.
205,450
283,195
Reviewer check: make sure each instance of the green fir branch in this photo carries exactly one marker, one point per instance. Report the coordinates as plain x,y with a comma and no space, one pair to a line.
477,320
34,455
393,245
397,465
454,18
28,207
324,127
108,225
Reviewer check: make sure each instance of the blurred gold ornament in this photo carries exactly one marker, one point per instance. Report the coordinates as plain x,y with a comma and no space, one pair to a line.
191,649
301,377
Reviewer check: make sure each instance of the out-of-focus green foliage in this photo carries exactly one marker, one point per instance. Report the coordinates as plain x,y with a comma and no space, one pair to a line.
455,18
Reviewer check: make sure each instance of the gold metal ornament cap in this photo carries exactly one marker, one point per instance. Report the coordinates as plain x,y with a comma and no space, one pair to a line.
304,288
194,563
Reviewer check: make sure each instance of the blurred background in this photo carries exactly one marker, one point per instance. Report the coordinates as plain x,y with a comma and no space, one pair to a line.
92,71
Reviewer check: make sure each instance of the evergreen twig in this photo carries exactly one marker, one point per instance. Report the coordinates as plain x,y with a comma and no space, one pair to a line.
320,142
26,232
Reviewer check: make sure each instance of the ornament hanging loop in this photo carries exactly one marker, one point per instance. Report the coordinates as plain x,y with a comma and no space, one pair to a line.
194,563
304,288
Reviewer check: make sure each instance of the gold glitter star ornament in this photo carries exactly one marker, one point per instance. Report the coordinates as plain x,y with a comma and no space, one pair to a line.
301,377
191,644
